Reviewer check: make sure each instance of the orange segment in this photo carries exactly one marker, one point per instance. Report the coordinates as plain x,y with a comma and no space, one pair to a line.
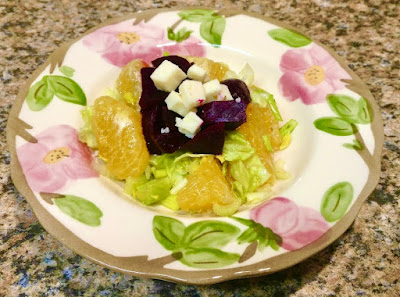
260,122
205,187
121,143
215,70
129,81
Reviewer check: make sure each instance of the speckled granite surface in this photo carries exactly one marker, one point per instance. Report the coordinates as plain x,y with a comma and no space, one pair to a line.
365,261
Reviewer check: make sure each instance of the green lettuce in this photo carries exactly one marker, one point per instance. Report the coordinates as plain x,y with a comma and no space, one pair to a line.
86,134
163,178
265,99
236,147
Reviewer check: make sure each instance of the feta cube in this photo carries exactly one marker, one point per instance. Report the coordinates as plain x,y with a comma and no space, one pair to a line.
167,76
211,90
196,73
225,94
174,102
189,125
192,93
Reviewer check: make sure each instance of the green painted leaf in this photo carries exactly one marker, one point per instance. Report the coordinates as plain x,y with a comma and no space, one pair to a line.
336,200
335,126
208,258
211,30
289,37
197,15
80,209
66,89
364,111
168,232
257,232
179,36
356,145
39,95
67,71
344,106
209,234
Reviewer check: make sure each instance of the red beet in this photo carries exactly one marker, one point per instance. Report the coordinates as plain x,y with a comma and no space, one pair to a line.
208,141
149,126
238,89
182,63
150,94
232,113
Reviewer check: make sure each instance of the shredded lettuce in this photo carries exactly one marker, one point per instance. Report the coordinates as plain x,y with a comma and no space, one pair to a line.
86,134
153,191
264,99
249,175
113,93
280,171
236,147
267,143
286,131
247,75
163,178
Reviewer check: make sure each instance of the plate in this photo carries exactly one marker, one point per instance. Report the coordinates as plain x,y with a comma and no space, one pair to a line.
334,158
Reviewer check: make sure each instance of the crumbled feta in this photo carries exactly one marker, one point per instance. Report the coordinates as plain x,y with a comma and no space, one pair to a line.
192,93
165,130
238,100
211,90
189,125
167,76
197,73
174,102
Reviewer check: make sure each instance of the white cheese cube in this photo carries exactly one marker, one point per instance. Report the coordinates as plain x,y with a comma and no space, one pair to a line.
189,125
174,102
167,76
225,94
197,73
192,93
211,90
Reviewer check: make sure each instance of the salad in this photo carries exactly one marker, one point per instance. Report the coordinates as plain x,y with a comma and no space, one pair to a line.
188,134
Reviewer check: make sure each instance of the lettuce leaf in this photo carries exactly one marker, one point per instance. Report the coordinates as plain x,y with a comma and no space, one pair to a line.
249,175
265,99
86,134
236,147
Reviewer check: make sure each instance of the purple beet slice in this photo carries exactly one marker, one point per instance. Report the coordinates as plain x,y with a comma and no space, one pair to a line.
160,133
238,89
149,126
208,141
150,94
232,113
170,139
182,63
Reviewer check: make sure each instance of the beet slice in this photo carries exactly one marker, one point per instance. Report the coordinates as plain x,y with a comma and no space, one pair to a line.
170,141
150,94
238,89
182,63
208,141
232,113
149,126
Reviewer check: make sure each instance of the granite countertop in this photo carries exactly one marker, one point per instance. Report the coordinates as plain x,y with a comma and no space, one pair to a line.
365,261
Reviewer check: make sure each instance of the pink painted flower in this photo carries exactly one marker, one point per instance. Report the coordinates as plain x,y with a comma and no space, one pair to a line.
57,158
120,43
310,74
297,225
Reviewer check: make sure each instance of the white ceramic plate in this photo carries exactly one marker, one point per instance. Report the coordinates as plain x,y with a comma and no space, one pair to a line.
333,159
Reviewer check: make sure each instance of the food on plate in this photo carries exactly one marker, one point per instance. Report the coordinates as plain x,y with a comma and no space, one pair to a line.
189,134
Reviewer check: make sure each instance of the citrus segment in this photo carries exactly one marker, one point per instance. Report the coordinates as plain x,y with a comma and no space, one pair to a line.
215,70
121,143
129,82
261,122
205,187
